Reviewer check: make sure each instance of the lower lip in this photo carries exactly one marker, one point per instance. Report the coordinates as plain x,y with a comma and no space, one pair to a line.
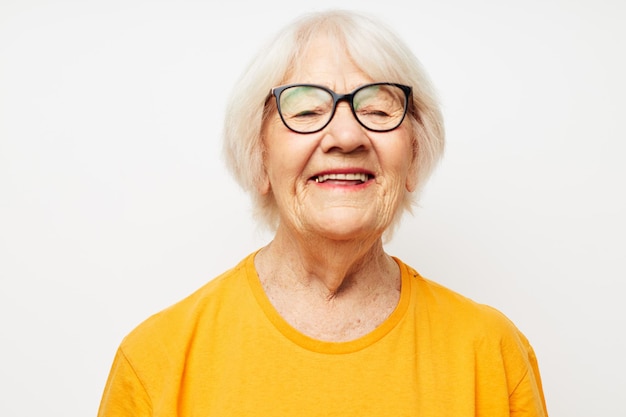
346,185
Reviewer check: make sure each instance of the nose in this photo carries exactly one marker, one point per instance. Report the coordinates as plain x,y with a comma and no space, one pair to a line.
344,133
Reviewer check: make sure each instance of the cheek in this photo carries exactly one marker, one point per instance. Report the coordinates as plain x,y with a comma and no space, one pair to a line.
285,160
399,156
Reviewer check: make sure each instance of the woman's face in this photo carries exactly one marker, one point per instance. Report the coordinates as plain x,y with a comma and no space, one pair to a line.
297,166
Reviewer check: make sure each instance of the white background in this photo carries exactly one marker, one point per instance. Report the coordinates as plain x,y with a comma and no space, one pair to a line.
114,202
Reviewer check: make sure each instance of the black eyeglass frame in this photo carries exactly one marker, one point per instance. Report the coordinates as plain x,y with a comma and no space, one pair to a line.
349,98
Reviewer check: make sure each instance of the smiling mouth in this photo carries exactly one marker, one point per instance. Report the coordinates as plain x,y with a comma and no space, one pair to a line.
359,178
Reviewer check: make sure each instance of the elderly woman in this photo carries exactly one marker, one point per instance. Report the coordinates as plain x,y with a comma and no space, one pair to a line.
333,130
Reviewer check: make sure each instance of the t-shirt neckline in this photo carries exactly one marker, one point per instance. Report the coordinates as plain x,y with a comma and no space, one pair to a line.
322,346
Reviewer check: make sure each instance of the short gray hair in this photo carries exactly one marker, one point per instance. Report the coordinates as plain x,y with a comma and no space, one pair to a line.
375,49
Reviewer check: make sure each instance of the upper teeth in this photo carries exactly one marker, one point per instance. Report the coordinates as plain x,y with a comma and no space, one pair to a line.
345,177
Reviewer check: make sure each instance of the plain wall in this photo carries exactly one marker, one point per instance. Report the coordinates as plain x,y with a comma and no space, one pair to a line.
114,202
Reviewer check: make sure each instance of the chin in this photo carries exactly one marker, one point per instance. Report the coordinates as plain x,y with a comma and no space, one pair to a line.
349,229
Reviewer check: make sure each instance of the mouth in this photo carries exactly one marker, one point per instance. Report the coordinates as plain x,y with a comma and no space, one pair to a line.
343,178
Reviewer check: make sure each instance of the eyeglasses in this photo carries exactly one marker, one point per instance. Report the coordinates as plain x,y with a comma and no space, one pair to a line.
309,108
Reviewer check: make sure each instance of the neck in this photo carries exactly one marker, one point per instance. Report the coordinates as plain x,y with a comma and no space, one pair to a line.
329,267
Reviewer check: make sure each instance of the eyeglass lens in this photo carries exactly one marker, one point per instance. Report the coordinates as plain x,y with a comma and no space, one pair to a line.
378,107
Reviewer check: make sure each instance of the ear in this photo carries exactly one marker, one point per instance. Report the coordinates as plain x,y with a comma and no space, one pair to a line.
263,186
411,179
411,175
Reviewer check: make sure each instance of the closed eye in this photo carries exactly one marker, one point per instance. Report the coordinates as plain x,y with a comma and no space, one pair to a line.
307,113
373,112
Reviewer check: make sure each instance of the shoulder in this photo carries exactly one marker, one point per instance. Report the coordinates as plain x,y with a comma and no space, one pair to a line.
464,330
475,340
151,359
169,328
452,313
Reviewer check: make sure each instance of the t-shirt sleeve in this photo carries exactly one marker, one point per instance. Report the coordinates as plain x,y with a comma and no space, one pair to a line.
527,399
124,394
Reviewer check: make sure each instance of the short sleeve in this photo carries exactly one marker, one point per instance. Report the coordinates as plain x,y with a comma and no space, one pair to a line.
527,399
124,394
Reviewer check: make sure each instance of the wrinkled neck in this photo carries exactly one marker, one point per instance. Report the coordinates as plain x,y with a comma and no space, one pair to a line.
330,267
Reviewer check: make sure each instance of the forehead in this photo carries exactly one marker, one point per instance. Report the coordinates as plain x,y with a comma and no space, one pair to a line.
326,61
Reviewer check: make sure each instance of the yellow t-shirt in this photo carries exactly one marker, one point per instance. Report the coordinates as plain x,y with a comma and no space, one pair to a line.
225,351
